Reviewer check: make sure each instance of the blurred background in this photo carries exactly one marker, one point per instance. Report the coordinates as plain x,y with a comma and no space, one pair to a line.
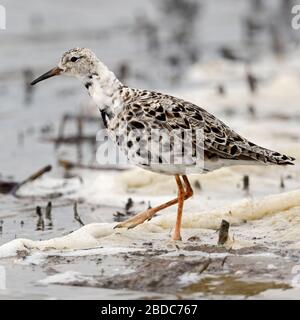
237,58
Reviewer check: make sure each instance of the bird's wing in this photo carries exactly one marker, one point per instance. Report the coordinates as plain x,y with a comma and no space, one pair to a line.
156,110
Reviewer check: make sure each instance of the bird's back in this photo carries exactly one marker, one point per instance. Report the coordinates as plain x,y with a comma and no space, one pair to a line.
220,145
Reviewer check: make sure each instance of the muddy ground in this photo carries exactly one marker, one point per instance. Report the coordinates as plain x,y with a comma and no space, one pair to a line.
262,256
145,267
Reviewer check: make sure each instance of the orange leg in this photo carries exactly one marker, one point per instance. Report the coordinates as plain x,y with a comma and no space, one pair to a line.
183,194
180,197
188,191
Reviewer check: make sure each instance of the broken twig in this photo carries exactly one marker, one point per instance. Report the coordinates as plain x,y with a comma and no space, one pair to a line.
33,177
48,215
76,215
70,165
119,216
40,223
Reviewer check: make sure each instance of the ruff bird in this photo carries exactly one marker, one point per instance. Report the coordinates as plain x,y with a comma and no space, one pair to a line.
153,130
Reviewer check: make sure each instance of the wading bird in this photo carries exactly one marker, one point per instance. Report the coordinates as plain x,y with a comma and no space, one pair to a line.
135,114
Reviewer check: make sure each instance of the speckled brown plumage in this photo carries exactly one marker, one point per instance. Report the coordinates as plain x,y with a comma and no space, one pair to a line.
145,110
153,129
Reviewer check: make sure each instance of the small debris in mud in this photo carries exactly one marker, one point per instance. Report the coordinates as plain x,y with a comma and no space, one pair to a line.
246,183
252,110
205,248
282,185
229,54
193,238
197,185
40,223
120,216
147,244
252,82
48,211
221,89
150,253
48,215
128,206
76,215
224,260
223,232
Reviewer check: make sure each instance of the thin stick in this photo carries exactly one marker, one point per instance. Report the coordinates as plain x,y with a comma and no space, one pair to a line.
40,223
76,215
282,185
33,177
48,214
70,165
246,183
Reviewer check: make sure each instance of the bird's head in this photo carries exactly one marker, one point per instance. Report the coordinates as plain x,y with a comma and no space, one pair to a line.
77,62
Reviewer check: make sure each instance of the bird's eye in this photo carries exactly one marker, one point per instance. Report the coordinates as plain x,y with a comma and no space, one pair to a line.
74,59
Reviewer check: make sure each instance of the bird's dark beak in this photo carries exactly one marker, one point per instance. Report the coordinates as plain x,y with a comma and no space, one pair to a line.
53,72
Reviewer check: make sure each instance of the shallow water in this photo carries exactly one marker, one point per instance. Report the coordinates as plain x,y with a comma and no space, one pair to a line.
232,286
271,238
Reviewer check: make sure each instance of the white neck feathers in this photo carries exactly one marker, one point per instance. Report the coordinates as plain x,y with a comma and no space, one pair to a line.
104,88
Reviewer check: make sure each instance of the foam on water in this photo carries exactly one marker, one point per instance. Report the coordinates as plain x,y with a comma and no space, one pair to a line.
270,215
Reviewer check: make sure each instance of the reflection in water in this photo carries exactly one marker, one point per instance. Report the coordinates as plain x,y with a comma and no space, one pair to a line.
229,285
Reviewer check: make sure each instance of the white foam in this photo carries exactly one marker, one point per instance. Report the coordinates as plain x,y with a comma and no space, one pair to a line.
85,237
95,251
247,209
65,278
96,235
188,278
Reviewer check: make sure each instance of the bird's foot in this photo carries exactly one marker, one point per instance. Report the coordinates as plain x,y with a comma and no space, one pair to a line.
137,219
176,236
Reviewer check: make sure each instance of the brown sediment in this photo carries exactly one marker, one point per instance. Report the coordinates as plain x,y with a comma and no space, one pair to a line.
228,285
223,232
